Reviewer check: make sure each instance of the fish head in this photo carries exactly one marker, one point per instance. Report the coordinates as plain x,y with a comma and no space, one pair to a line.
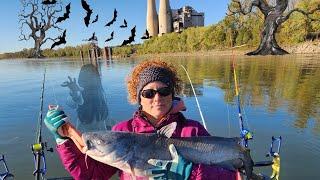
110,148
98,144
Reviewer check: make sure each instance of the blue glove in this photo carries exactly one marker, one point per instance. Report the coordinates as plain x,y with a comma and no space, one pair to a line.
177,168
54,119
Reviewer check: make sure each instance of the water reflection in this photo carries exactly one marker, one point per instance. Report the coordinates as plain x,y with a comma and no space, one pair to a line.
272,83
280,95
88,99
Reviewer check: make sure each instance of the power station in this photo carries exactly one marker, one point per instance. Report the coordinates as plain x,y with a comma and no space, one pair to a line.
170,20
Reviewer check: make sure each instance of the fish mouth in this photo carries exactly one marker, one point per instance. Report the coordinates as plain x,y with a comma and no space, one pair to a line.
91,149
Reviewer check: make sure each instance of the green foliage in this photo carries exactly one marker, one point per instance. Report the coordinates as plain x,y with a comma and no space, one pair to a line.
68,51
21,54
124,51
295,29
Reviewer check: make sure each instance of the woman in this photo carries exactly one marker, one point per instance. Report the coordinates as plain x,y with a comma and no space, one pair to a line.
153,85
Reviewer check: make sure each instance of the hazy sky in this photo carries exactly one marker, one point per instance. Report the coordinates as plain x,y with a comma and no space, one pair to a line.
134,11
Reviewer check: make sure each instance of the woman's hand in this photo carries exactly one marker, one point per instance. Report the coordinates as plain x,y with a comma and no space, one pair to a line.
57,123
177,168
55,118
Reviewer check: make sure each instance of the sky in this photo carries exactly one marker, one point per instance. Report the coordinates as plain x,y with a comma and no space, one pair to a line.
134,11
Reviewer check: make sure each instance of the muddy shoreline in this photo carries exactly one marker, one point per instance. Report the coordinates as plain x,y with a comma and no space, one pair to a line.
305,48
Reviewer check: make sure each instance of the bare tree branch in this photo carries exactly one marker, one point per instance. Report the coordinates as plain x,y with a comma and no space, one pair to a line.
44,41
239,9
38,19
307,14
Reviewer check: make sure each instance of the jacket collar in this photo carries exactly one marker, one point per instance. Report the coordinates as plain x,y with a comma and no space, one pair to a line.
140,121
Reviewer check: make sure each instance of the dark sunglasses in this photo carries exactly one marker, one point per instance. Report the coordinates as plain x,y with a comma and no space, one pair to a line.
150,93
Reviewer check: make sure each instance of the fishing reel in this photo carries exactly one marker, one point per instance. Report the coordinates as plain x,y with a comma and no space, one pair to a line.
40,147
5,175
37,150
245,135
276,152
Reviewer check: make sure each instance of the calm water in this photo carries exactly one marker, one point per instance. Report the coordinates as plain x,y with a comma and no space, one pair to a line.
280,96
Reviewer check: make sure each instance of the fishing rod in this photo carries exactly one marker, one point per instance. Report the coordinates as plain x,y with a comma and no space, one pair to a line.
6,174
245,134
38,147
194,92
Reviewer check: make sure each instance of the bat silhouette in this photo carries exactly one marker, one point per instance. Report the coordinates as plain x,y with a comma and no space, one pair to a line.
48,2
62,40
115,14
93,37
109,39
86,7
65,15
146,35
96,19
131,38
124,24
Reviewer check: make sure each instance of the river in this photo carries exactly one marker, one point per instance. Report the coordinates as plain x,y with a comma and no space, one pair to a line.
280,96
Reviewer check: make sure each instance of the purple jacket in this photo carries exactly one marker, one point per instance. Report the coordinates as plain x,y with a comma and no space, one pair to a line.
75,163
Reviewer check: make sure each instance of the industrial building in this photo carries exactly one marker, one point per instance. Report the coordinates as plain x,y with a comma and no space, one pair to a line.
186,17
171,20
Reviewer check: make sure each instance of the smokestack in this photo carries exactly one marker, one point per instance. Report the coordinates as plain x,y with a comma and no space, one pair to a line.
152,18
165,17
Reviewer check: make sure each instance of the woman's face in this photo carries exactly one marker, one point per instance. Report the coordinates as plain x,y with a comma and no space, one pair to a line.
158,106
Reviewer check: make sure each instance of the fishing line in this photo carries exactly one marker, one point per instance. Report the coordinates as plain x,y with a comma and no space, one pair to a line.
53,92
50,83
194,92
246,118
229,122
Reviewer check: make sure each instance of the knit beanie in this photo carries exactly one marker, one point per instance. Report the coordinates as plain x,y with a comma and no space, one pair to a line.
154,73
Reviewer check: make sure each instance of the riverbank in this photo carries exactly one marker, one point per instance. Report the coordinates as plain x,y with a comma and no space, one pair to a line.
310,47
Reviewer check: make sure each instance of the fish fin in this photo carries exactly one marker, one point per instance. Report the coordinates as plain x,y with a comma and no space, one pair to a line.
167,130
133,174
226,165
232,165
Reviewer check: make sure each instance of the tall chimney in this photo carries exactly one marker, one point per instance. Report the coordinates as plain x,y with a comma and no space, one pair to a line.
165,17
152,18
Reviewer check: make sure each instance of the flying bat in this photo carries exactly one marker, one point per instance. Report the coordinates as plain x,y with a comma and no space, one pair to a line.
86,7
93,37
96,19
115,14
62,40
65,15
131,38
146,35
48,2
124,25
109,39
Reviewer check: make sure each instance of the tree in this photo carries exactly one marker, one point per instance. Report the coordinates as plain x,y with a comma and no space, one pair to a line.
275,14
35,21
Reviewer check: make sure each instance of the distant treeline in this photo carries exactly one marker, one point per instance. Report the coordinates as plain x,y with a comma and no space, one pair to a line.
231,31
67,51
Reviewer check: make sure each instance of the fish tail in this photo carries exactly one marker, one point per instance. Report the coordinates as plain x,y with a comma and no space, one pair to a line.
248,167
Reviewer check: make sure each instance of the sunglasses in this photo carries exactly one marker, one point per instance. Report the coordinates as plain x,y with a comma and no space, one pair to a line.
150,93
